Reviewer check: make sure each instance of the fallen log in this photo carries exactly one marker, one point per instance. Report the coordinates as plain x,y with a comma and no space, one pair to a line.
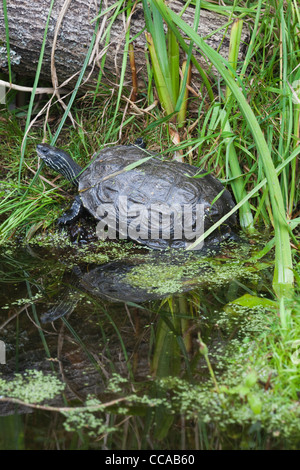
71,27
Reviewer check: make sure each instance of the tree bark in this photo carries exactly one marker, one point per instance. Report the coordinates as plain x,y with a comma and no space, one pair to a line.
27,20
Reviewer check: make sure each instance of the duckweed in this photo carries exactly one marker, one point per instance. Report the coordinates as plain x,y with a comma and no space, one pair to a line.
165,277
33,386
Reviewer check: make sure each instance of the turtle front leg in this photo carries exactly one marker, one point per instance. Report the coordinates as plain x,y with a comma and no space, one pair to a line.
72,214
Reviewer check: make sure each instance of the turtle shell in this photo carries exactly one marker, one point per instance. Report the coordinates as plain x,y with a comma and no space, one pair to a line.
154,202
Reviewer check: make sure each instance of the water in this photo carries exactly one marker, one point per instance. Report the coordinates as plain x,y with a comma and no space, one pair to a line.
114,329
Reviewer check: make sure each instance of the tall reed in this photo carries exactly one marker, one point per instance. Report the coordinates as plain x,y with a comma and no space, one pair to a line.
283,273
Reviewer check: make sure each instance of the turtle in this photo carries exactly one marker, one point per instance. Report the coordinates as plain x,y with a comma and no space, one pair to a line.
135,194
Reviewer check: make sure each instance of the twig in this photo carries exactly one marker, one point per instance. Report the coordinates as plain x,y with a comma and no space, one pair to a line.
141,111
133,73
63,409
53,68
38,91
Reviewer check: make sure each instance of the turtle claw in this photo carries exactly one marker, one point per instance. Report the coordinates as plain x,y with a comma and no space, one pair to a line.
65,219
72,214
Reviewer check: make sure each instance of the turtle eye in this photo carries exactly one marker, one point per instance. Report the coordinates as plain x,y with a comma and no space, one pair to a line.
42,150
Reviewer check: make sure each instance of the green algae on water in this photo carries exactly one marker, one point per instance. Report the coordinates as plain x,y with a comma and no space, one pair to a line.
33,386
169,275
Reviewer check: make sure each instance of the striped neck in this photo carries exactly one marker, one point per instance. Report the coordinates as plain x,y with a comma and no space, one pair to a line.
59,161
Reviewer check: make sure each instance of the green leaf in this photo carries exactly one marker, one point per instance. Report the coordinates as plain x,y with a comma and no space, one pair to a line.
251,379
252,301
255,403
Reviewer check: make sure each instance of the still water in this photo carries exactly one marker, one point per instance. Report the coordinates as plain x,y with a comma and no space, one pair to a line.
101,345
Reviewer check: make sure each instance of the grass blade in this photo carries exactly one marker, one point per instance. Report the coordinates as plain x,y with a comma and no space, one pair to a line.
7,39
36,80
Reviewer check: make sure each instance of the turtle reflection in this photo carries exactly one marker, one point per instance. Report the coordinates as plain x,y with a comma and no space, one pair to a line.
138,280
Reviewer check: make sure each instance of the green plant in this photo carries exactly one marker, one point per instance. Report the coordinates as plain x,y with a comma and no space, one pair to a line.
164,53
283,274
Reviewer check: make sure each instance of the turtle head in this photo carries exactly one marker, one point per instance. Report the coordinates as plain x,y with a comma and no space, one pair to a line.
59,161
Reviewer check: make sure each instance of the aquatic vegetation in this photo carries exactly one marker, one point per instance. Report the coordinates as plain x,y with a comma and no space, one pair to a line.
88,421
32,386
255,379
171,275
220,363
20,302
